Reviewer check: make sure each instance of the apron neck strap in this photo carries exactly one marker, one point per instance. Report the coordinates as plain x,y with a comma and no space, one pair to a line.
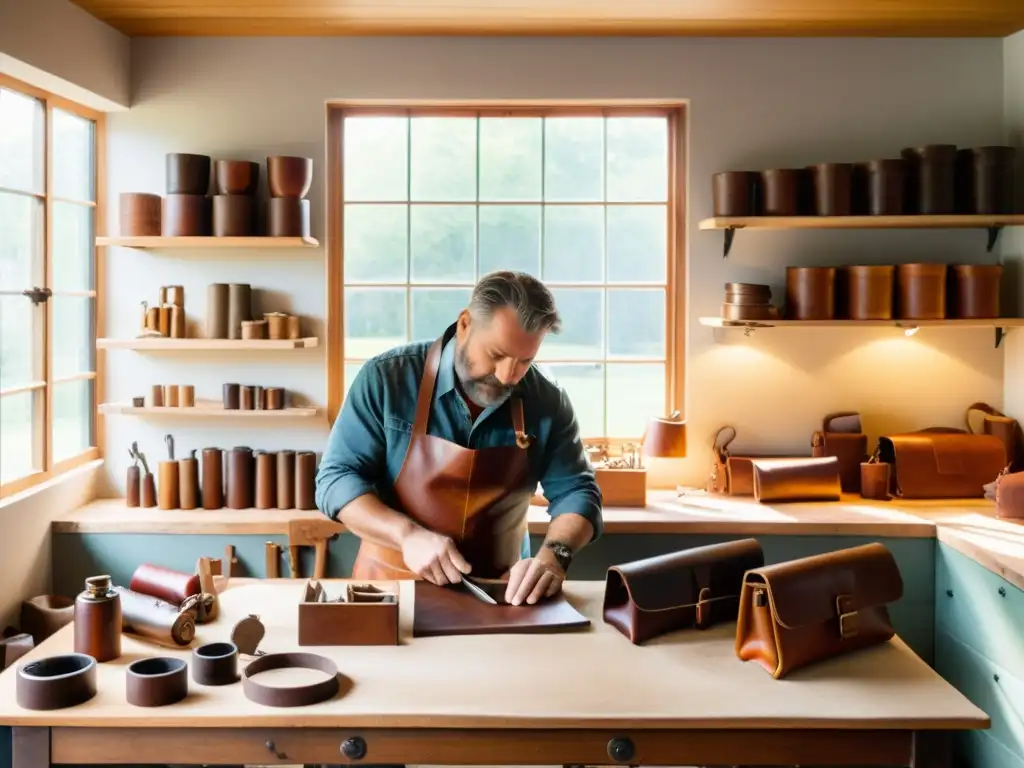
429,381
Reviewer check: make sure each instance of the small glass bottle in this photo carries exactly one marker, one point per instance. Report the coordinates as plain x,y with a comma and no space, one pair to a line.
98,620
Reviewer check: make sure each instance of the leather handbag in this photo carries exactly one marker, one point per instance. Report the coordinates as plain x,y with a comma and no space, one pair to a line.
782,480
941,463
842,436
731,474
1004,427
796,613
690,589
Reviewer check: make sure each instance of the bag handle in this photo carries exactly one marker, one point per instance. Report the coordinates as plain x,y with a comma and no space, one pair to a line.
853,418
720,446
982,408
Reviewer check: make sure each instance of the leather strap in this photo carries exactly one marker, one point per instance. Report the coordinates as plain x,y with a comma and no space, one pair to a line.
721,446
981,407
293,696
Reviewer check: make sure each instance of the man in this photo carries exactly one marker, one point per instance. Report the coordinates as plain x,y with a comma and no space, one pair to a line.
440,446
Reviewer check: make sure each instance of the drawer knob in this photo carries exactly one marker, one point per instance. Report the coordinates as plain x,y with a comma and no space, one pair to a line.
354,748
621,750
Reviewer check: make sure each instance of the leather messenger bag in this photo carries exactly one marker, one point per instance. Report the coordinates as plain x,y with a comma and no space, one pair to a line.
693,588
795,613
942,463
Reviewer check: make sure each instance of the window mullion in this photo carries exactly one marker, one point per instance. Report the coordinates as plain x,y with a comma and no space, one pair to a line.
44,427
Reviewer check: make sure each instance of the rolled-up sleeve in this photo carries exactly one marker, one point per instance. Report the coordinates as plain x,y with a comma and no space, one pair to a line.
355,457
567,478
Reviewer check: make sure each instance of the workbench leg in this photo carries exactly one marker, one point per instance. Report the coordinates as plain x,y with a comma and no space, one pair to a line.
932,749
30,747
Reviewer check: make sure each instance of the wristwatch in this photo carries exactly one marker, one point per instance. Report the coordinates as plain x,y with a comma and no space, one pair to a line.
562,553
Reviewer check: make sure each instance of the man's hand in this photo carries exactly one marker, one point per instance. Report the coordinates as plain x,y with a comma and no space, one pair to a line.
434,557
533,578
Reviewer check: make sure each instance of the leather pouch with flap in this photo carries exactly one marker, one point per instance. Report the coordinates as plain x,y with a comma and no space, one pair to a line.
783,480
693,588
842,436
1004,427
796,613
942,464
731,474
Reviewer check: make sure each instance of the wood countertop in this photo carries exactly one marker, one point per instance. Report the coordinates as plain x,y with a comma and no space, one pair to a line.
967,525
687,679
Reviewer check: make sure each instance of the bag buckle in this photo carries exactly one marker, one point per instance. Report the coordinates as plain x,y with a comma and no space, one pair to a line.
849,621
703,608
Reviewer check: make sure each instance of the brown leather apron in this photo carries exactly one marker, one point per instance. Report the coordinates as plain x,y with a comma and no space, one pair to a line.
477,497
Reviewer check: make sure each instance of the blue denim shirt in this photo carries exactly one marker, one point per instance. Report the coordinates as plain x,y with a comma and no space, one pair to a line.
369,438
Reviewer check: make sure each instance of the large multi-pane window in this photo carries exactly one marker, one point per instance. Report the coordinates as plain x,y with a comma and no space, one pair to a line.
48,300
583,199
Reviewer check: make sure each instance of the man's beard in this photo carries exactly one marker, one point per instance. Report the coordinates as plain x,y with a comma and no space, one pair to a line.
484,391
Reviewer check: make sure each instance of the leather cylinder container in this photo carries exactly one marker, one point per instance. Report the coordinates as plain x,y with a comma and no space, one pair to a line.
171,399
217,311
156,396
246,399
236,177
167,485
187,174
188,483
810,293
886,187
305,478
865,292
976,290
232,396
931,177
239,308
132,486
215,664
140,214
288,217
294,327
164,583
43,615
213,478
921,291
286,480
266,480
156,682
178,323
56,682
782,191
234,216
289,176
273,399
277,325
187,396
156,619
259,400
148,490
254,329
747,294
240,478
97,624
833,188
874,480
990,180
734,193
185,216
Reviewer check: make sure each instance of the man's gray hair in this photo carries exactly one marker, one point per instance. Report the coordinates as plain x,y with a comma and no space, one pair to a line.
529,297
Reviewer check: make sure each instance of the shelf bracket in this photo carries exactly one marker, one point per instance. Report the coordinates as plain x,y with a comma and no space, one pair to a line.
1000,333
993,236
730,233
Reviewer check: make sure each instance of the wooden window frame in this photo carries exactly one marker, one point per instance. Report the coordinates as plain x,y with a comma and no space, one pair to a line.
44,424
675,305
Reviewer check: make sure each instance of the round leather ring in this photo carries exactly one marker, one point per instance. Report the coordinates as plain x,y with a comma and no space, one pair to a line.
156,681
295,696
56,682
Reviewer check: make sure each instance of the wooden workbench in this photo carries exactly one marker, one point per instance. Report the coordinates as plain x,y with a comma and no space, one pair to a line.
683,699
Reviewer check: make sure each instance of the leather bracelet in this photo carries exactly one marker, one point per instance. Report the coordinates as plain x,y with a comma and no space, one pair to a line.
294,696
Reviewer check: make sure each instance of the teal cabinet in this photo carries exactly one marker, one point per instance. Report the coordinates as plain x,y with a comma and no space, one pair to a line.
979,648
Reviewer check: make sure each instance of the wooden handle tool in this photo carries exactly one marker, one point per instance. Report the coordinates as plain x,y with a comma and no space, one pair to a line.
273,555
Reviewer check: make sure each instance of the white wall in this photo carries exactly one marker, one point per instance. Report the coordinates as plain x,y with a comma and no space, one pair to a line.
755,104
55,45
1013,239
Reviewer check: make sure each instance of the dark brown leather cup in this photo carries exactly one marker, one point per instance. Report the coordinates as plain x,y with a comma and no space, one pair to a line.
140,214
833,188
289,176
188,174
56,682
782,191
976,290
931,177
865,292
156,682
733,193
215,664
989,179
185,216
234,216
886,187
288,217
921,291
874,480
236,177
810,293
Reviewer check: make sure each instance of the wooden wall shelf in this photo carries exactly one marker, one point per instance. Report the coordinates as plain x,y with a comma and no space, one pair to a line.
206,410
993,224
159,344
1000,324
209,242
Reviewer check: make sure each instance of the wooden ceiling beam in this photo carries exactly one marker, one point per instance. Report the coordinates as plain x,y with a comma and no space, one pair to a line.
886,18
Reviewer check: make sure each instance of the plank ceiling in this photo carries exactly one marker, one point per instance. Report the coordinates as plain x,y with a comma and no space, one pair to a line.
931,18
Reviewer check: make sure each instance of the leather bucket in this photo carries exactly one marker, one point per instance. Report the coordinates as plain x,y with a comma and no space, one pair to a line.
810,293
976,289
188,174
140,214
833,188
931,176
921,291
865,292
734,193
886,187
990,182
234,216
186,216
288,217
782,191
